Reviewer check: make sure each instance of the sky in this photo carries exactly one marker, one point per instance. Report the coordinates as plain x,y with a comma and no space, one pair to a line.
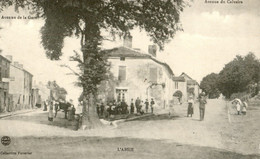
213,35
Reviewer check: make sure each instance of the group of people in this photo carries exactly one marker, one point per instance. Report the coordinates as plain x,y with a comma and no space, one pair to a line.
202,105
241,106
67,107
115,108
139,105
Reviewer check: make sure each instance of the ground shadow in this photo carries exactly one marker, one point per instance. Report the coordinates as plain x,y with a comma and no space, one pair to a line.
42,118
156,117
195,119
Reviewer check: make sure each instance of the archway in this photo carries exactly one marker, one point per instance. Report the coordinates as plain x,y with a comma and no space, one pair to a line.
178,94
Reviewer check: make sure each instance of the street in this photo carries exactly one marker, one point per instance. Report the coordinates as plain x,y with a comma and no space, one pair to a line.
158,136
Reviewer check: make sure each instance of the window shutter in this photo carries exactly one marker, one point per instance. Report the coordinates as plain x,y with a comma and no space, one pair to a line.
153,75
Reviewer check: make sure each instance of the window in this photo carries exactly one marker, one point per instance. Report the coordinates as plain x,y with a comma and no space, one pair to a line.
122,58
6,74
121,94
122,73
176,85
153,75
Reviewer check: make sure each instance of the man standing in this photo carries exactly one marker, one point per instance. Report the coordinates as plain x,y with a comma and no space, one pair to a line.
56,107
132,106
203,102
137,104
102,108
146,105
152,103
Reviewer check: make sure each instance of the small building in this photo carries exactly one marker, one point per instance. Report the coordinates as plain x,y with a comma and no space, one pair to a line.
192,86
5,99
185,86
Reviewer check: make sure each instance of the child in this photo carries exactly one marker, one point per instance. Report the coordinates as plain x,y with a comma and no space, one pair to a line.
244,108
238,106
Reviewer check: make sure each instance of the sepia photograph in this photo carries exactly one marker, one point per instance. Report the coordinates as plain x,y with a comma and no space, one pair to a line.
130,79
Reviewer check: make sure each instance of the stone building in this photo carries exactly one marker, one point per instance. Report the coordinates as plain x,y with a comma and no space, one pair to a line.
27,96
20,86
186,86
5,99
138,74
192,85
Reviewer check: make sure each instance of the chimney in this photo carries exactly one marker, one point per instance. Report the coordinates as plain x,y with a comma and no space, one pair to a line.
16,64
20,65
128,41
152,50
9,57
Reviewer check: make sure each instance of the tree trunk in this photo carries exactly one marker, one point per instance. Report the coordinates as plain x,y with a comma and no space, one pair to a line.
90,50
90,117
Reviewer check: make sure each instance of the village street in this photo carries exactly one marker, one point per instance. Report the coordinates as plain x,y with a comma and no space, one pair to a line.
160,136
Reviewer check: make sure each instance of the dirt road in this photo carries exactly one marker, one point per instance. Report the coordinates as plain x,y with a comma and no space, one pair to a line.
217,133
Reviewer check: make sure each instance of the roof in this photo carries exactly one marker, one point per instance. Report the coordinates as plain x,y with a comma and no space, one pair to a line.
178,79
184,74
5,58
27,72
129,52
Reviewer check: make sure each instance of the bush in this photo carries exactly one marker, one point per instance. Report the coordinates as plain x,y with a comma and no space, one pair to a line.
239,95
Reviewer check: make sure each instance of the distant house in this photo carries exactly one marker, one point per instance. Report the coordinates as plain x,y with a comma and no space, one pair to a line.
139,74
56,92
192,85
44,91
186,86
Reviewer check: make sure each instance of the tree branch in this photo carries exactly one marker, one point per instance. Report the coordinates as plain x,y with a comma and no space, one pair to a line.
73,72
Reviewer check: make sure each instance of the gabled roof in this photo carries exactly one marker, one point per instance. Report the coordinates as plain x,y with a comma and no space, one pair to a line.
132,53
184,74
190,81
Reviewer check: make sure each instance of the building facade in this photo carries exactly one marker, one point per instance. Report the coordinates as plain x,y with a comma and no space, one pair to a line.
138,74
20,88
186,86
16,85
193,88
5,99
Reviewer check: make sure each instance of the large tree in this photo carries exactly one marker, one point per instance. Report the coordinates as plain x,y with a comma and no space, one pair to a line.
86,18
239,75
209,85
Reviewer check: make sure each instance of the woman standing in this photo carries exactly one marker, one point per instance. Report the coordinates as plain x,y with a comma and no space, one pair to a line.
190,106
50,117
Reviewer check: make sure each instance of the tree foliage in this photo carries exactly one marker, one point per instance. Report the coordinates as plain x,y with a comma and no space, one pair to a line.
209,85
239,74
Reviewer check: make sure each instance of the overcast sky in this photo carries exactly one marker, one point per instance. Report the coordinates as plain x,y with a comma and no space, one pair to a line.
213,35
